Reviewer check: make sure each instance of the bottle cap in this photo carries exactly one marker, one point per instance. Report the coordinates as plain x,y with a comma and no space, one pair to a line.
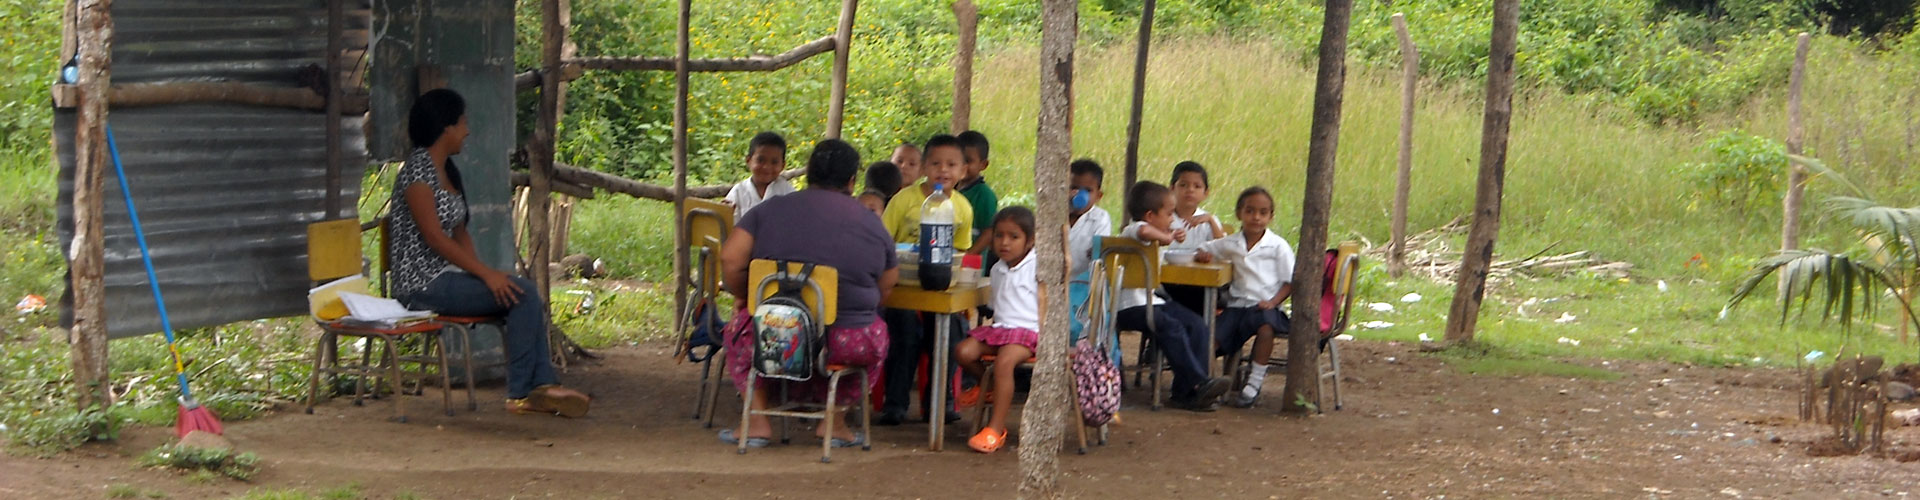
938,186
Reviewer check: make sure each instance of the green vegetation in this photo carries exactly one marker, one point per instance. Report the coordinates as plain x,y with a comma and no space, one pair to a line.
235,466
131,491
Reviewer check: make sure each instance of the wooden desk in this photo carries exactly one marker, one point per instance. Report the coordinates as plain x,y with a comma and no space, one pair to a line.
1211,276
942,304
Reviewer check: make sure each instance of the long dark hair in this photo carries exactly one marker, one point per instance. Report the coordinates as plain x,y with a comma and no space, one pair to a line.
432,113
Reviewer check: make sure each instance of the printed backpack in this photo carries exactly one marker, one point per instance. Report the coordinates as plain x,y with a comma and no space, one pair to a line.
787,340
1098,381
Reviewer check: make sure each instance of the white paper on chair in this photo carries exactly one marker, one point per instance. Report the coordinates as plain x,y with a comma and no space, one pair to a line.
367,308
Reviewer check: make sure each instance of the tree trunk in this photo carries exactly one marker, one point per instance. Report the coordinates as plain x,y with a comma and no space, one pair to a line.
1303,349
681,258
1796,174
1471,282
1043,425
1139,95
87,260
842,46
545,138
1410,66
968,17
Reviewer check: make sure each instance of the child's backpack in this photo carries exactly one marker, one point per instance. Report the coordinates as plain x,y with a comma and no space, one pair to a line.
788,342
1099,383
704,340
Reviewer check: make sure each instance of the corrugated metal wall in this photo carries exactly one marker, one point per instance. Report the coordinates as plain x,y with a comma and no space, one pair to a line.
225,192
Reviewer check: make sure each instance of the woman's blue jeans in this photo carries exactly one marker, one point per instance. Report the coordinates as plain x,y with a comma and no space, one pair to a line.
529,360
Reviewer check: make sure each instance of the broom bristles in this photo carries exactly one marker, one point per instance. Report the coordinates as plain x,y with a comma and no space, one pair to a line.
196,418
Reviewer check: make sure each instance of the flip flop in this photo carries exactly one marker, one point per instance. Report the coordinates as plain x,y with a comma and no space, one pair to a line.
859,439
726,436
987,441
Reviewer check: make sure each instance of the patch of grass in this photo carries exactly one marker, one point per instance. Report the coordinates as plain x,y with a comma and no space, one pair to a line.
287,494
236,466
606,313
348,492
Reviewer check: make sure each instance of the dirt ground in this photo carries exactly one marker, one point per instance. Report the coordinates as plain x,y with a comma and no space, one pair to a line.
1411,428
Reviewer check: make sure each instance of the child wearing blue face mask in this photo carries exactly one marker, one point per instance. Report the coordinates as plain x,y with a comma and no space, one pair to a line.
1087,224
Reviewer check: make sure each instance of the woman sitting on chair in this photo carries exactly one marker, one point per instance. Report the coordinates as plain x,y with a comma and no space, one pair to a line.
435,266
822,225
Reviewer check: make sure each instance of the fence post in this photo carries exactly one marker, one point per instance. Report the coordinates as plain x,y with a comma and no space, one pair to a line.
1410,66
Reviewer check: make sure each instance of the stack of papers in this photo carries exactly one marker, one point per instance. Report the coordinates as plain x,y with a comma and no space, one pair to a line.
369,311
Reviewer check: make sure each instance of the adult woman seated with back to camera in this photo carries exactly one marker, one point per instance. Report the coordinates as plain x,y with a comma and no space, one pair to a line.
435,266
822,225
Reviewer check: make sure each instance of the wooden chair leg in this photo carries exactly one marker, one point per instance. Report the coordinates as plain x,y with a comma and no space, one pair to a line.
866,411
393,374
319,365
746,411
466,358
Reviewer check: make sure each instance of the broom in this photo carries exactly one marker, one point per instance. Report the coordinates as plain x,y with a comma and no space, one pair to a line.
193,417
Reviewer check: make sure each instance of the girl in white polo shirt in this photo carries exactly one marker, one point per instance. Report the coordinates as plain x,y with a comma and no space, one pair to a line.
1262,278
1015,331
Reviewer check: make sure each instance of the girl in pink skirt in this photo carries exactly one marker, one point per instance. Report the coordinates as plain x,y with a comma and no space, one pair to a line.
1014,333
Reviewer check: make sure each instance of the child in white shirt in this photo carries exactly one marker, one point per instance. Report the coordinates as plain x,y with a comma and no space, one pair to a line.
1262,279
1180,333
1190,188
1015,332
766,159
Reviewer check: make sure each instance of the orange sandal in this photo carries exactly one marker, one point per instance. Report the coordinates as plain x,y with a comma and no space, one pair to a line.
967,398
987,441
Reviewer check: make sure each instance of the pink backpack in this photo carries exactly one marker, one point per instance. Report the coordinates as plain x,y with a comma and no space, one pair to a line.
1099,383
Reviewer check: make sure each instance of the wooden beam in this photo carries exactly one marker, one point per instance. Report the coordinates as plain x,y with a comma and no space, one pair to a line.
133,95
1139,96
1796,140
842,47
530,79
523,179
819,46
681,257
1403,185
967,16
592,179
1470,286
546,126
1316,209
335,16
92,386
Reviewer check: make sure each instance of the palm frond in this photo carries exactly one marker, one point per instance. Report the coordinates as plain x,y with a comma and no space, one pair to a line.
1820,169
1849,286
1893,229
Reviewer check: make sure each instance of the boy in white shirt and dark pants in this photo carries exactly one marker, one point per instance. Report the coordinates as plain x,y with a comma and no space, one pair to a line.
1180,333
1262,279
766,159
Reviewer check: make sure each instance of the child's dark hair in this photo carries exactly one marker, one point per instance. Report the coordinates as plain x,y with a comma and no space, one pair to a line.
1190,166
1241,202
1086,166
767,139
974,140
432,113
941,140
1020,216
1145,197
884,177
874,193
832,165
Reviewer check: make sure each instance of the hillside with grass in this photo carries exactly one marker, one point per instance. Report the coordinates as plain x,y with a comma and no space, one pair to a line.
1646,132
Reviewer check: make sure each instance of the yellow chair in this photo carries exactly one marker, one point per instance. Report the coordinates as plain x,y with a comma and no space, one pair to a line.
1346,261
821,297
1134,265
334,254
708,224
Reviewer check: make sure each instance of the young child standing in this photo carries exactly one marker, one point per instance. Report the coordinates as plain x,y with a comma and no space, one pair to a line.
766,158
1190,189
1180,333
1262,279
973,185
910,334
1014,334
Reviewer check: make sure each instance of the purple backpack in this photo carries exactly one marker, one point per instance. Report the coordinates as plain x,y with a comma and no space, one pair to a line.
1099,384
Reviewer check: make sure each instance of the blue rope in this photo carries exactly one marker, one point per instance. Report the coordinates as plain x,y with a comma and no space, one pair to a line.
146,259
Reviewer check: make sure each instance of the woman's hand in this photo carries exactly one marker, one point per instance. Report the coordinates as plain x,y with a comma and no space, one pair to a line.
505,292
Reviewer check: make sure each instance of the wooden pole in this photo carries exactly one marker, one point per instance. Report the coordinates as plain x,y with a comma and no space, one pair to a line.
1044,425
1471,282
1410,66
1796,137
1303,351
542,152
1141,46
335,16
842,45
681,258
968,17
92,388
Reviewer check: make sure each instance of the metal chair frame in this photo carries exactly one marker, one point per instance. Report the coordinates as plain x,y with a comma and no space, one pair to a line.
788,410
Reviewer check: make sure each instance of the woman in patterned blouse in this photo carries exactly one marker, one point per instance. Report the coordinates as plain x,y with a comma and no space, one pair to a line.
435,266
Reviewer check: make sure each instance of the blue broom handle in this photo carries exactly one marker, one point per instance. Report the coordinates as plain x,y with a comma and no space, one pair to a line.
146,259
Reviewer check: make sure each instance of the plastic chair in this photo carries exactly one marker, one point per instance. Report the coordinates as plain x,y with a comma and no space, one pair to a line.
820,295
708,224
1335,309
1135,268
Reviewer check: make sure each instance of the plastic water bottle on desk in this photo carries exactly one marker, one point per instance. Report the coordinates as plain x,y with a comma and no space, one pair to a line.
936,240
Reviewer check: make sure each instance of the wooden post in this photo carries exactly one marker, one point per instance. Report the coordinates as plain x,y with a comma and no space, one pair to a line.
1471,281
1796,137
92,387
335,16
1303,351
968,17
842,44
1410,66
1044,425
541,153
681,258
1139,95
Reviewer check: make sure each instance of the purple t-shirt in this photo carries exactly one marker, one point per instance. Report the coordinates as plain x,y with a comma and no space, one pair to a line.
828,229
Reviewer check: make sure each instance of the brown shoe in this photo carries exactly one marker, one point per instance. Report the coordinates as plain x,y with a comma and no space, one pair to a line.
560,400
